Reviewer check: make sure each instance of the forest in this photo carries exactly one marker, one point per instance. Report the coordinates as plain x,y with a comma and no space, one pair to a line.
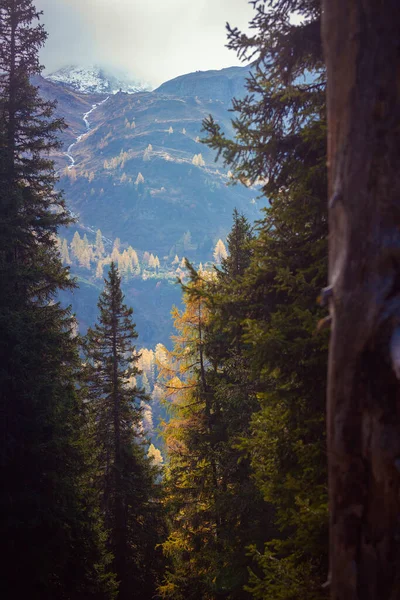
275,474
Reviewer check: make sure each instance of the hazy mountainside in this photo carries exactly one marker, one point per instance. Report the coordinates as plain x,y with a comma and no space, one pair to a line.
71,105
141,174
220,85
133,166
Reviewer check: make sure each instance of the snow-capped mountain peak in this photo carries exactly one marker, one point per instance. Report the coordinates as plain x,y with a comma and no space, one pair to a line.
95,80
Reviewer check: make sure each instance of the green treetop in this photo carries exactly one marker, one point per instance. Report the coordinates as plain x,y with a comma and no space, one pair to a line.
124,474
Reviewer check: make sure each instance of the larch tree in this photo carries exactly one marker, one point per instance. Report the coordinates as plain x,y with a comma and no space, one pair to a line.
64,253
220,252
99,244
139,179
47,527
363,61
191,478
216,509
76,245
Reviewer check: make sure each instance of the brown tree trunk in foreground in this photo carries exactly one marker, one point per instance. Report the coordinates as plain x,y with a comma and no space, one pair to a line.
362,47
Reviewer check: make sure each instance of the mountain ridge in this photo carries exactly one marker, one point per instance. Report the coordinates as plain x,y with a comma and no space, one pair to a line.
95,79
217,84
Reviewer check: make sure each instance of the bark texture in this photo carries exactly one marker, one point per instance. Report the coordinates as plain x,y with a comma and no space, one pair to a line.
362,48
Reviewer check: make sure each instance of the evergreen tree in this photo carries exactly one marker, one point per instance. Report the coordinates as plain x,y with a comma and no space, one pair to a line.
48,528
237,258
281,141
125,477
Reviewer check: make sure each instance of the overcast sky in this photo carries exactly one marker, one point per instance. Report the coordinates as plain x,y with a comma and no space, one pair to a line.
153,40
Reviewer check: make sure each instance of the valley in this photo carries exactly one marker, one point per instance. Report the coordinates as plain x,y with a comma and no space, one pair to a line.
145,193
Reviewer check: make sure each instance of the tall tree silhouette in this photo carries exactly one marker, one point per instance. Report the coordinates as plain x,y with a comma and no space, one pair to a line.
125,476
46,526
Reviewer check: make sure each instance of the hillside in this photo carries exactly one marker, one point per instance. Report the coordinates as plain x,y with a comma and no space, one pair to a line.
222,85
133,166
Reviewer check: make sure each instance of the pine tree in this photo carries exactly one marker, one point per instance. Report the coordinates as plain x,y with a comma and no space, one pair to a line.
47,525
237,258
281,141
125,476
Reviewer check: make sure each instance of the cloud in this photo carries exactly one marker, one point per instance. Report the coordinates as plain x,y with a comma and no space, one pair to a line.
153,41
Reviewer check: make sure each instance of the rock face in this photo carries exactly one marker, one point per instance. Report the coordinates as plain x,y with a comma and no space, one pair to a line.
221,86
95,80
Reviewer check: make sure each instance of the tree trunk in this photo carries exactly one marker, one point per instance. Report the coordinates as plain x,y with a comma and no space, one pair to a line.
119,521
362,48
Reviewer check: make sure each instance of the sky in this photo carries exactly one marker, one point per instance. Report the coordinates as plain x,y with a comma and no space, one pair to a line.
151,40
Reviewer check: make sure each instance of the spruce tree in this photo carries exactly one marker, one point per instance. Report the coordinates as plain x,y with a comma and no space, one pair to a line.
48,530
281,142
124,475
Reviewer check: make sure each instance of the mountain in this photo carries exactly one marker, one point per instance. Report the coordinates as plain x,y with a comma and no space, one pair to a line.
133,166
221,86
140,173
95,80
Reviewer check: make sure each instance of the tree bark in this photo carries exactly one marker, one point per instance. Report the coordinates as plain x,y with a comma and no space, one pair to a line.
362,49
119,521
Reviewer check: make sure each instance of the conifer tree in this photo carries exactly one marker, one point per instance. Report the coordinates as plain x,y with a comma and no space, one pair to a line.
281,140
47,526
125,477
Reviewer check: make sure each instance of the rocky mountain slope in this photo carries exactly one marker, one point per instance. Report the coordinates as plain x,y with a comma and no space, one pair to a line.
133,166
221,86
95,80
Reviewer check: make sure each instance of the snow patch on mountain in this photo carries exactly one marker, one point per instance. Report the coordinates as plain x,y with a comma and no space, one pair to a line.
96,80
